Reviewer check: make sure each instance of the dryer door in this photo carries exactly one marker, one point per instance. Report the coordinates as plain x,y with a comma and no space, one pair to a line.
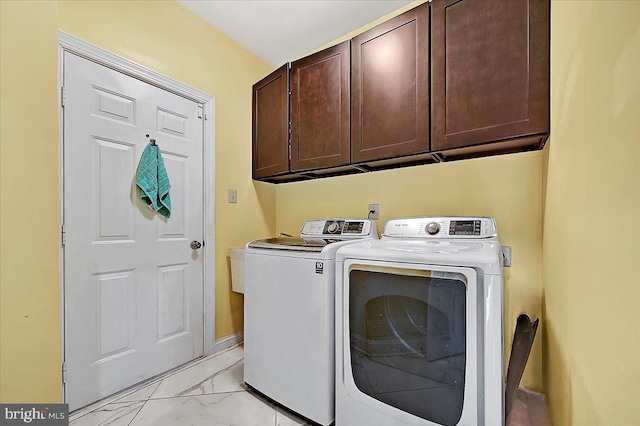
412,340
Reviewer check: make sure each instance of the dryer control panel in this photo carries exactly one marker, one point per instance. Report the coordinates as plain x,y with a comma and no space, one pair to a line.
441,227
340,228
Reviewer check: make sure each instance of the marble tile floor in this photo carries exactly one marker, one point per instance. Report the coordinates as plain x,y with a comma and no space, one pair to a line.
209,391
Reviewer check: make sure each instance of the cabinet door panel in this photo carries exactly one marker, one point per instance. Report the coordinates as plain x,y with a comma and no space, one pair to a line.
320,98
390,88
270,134
490,71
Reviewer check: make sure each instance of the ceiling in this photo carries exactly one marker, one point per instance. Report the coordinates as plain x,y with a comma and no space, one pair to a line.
285,30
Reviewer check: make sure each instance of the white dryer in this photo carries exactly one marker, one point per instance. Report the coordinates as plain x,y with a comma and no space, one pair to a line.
419,317
289,320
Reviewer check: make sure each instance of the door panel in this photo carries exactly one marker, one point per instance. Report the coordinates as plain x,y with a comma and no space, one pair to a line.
320,115
133,286
114,175
114,106
175,228
271,124
390,88
172,301
115,305
490,62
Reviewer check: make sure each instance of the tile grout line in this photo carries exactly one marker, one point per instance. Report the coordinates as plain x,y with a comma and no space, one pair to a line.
275,417
138,412
156,389
197,395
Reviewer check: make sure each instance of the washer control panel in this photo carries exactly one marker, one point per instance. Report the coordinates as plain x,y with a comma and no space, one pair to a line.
338,227
441,227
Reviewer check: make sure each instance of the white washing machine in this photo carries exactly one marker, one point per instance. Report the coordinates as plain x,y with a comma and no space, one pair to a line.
419,325
289,321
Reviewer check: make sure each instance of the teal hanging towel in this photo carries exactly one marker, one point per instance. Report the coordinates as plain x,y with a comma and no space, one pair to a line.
153,181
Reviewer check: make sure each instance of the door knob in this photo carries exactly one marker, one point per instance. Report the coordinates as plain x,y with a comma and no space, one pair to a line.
195,245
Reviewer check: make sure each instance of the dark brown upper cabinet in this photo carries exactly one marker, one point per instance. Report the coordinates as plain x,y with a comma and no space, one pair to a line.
270,135
447,80
490,75
390,88
320,115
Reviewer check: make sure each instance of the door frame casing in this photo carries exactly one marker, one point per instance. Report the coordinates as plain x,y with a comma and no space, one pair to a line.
70,44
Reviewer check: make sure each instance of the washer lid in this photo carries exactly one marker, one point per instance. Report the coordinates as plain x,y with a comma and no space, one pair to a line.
318,234
292,244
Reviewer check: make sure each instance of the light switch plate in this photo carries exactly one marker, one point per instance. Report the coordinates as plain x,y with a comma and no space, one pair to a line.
374,211
506,256
233,196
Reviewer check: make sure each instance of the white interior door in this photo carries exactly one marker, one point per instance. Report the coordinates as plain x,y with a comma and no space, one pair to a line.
133,286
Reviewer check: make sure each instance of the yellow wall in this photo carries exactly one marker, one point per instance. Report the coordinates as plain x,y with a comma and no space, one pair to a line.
591,235
167,38
29,204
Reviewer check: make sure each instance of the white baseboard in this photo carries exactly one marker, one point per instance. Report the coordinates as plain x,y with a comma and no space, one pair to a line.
229,341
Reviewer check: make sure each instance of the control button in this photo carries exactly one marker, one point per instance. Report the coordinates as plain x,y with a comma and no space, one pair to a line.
432,228
333,228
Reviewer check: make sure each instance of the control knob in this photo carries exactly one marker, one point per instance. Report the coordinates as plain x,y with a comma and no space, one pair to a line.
333,228
432,228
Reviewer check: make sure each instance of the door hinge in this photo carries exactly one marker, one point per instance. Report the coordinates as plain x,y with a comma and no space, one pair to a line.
63,234
289,140
64,372
63,96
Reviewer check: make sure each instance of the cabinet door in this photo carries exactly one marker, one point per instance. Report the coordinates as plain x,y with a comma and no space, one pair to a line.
320,116
390,88
490,71
270,134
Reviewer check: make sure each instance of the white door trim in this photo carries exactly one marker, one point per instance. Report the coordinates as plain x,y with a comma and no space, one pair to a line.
68,43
